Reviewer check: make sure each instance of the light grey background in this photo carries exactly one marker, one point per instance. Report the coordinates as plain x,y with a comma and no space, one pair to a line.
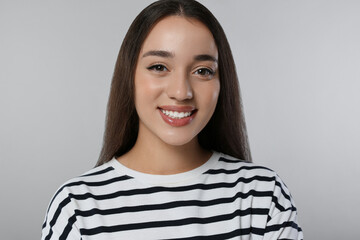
299,69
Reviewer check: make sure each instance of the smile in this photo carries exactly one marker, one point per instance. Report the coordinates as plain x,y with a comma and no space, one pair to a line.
178,116
175,114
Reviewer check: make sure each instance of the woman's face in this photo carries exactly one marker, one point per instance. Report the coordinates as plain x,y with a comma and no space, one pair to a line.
176,80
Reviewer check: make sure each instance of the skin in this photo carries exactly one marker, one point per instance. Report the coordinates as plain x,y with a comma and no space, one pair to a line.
169,71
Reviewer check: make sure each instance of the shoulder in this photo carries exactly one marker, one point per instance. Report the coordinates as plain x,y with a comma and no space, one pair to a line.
231,165
77,184
265,187
257,179
61,213
84,186
92,178
91,182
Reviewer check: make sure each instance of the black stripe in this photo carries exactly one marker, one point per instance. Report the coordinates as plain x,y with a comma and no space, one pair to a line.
177,204
91,212
222,159
108,169
68,228
164,189
236,161
233,171
275,200
56,215
99,183
91,184
277,204
102,183
134,192
277,227
151,190
160,224
223,236
78,183
277,183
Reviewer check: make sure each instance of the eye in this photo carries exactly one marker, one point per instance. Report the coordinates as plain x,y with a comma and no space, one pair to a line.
158,68
205,72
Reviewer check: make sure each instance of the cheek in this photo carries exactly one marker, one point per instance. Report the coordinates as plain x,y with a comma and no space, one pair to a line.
216,91
147,89
210,93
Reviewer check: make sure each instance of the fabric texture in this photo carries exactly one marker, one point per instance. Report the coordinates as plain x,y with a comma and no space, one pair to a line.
225,198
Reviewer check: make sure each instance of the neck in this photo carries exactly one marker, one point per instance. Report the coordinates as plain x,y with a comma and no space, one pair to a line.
154,156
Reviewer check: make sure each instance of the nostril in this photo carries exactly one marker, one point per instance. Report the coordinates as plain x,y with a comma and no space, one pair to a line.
179,89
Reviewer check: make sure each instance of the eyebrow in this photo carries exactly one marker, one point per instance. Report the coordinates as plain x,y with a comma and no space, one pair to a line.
167,54
159,53
205,57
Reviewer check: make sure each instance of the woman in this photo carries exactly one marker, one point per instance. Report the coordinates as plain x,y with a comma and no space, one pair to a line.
170,165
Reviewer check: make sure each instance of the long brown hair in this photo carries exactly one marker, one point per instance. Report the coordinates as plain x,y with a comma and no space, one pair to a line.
226,130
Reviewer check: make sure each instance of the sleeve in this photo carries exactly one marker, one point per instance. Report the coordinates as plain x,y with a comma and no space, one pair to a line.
60,218
282,220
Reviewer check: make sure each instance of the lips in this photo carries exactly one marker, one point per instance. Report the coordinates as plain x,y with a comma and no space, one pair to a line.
178,108
177,116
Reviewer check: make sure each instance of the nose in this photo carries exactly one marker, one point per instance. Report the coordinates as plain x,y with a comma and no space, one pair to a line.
179,87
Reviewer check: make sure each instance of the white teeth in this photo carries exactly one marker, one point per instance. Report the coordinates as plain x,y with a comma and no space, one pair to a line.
177,115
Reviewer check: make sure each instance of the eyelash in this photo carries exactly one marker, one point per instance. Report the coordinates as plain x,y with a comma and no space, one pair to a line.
156,68
208,72
162,68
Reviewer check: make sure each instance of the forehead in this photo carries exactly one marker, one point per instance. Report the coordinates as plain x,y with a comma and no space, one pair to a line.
181,36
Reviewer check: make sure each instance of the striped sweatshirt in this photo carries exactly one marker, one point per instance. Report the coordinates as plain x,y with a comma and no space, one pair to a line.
224,198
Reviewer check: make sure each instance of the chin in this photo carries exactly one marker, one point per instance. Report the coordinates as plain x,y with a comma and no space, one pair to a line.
177,140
